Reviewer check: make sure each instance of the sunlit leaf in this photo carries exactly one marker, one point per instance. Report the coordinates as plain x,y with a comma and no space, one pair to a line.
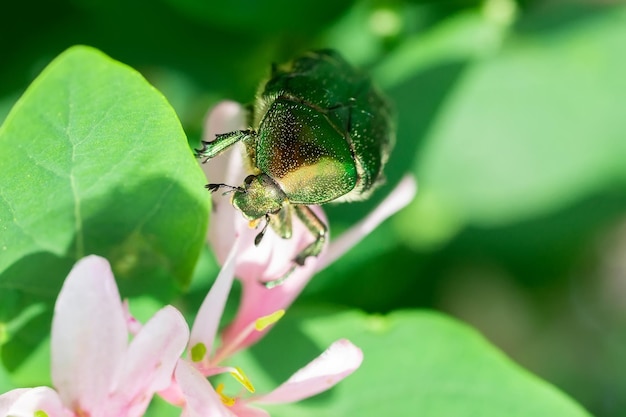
416,363
94,161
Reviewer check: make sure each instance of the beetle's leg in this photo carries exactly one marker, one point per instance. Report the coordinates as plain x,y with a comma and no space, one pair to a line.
281,221
221,143
279,281
281,224
316,227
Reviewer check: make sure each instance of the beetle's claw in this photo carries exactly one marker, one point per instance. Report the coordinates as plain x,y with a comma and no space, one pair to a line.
300,259
200,152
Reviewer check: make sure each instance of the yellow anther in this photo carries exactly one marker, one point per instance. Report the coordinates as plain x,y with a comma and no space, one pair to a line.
40,413
262,322
228,401
242,378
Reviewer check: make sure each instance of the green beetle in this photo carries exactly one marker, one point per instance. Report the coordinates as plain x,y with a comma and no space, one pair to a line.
321,132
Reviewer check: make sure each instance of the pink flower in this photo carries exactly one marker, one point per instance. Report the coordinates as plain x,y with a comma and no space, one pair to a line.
196,395
273,257
96,372
333,365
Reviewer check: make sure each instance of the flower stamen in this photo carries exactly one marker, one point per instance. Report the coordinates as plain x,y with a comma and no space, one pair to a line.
226,400
261,323
240,377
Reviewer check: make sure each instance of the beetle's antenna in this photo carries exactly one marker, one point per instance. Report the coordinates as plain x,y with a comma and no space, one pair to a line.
259,237
214,187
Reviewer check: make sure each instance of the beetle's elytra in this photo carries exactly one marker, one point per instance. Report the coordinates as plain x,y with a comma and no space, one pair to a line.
320,132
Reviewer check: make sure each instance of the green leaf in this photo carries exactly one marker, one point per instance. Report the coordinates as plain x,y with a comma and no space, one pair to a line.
415,363
94,161
525,131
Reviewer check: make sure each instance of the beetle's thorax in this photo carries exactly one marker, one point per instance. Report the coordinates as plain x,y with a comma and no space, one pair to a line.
259,196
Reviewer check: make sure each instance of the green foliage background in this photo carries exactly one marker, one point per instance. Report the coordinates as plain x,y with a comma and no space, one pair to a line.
510,114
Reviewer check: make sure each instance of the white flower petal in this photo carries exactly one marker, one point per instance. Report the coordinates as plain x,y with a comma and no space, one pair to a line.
25,402
242,409
334,364
89,335
151,358
208,318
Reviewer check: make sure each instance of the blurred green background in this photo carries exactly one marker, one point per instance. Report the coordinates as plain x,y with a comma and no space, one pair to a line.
511,114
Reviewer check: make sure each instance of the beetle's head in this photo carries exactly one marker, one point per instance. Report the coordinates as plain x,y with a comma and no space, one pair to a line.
259,196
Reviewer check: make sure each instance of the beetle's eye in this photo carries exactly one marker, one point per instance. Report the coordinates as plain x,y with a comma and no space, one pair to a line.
249,179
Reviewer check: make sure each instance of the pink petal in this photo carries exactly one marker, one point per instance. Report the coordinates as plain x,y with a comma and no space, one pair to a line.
25,402
89,336
201,398
208,318
227,116
338,361
132,323
242,409
401,195
150,361
269,261
227,168
274,255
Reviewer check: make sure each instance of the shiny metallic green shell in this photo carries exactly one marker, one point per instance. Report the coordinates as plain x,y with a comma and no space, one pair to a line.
324,131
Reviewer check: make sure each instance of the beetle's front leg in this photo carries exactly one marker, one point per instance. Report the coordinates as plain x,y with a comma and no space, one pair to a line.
222,142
